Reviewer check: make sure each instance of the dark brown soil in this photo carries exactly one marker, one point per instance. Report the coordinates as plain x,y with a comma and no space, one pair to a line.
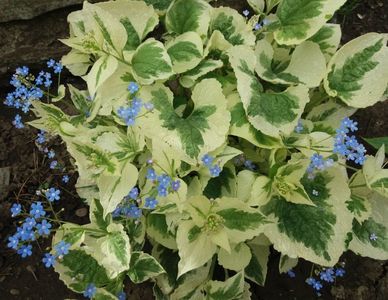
28,279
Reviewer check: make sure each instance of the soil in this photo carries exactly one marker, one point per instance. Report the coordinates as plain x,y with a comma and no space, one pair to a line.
28,279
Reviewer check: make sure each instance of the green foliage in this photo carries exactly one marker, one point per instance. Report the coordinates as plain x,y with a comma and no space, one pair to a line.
214,86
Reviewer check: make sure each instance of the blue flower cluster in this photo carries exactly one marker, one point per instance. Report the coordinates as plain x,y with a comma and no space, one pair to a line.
214,169
29,88
164,183
33,227
318,163
130,112
326,275
348,146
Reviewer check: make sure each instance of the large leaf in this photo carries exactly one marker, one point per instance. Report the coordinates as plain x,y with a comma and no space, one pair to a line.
301,19
316,233
112,251
137,17
271,113
378,142
232,25
256,270
158,230
328,38
370,237
143,267
114,186
204,130
231,289
241,127
237,259
102,69
151,62
188,15
307,64
185,51
358,72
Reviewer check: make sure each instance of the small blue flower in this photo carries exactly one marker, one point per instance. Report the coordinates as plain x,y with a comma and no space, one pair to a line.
58,68
29,223
246,13
134,193
175,185
13,242
207,160
121,296
162,191
65,179
327,275
310,281
133,87
133,211
53,194
51,63
257,26
53,164
48,260
250,165
37,210
151,202
15,209
299,127
51,154
340,272
317,285
148,106
43,227
90,291
215,171
25,250
41,137
291,273
151,174
373,237
164,180
17,122
62,248
23,71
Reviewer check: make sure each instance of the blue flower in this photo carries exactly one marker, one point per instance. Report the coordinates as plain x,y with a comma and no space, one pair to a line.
48,260
246,12
215,171
133,87
318,163
29,223
134,193
53,164
53,194
121,296
90,291
164,180
291,273
58,68
16,209
250,165
257,26
23,71
51,154
37,210
25,250
17,122
175,185
22,233
316,284
62,248
340,272
133,211
13,242
299,127
41,137
162,191
327,275
65,179
207,160
151,202
151,174
373,237
43,227
51,63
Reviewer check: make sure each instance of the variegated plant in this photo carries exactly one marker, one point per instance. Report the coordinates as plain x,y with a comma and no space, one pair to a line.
218,85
